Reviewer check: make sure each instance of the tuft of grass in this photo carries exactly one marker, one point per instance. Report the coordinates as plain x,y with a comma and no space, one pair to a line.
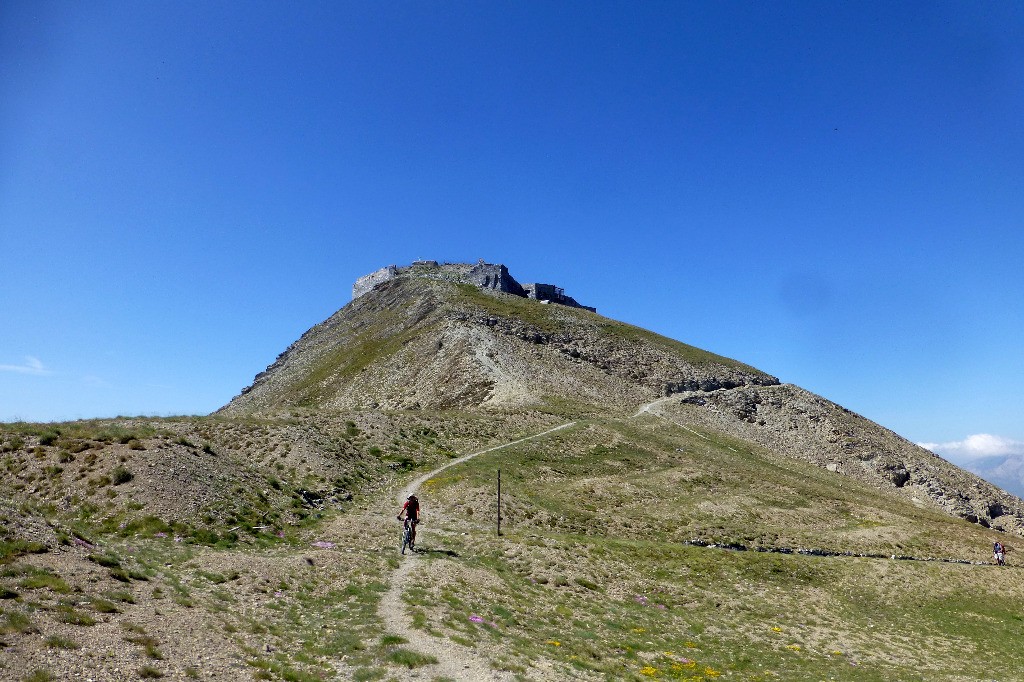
104,606
14,622
59,642
39,578
148,672
120,595
40,675
71,616
11,549
105,560
409,659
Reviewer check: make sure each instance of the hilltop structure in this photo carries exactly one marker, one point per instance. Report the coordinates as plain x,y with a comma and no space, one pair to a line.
494,276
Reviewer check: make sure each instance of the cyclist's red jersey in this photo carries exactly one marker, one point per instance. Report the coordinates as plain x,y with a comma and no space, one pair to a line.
411,508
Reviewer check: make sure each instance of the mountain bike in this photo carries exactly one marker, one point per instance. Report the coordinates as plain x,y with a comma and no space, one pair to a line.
409,535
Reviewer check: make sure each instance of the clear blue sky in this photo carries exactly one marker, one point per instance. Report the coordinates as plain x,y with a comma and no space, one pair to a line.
830,191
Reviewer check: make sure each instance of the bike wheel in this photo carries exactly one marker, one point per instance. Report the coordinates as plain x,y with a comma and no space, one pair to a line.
405,539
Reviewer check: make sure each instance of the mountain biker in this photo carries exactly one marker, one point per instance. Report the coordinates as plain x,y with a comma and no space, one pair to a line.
411,510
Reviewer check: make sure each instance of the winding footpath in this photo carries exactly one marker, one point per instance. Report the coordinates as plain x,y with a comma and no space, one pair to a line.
458,662
453,660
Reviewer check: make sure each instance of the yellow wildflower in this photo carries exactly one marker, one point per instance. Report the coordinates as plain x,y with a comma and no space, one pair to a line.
649,671
794,647
554,642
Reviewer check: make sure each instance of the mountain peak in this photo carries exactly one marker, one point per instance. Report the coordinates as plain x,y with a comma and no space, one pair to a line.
470,336
492,276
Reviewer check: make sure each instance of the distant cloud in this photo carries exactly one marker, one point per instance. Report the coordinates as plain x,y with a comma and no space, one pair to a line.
997,459
31,366
978,446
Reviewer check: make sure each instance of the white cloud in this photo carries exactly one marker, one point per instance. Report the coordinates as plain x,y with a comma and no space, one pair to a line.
997,459
31,365
978,446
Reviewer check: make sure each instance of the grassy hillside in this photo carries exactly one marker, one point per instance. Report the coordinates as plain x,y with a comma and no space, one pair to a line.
739,529
602,571
594,570
416,343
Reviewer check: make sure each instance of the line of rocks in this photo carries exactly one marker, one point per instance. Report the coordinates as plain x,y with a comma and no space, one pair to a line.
736,547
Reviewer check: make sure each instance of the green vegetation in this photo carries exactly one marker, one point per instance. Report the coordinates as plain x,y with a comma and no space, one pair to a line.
595,573
632,549
15,622
40,675
59,642
409,659
544,318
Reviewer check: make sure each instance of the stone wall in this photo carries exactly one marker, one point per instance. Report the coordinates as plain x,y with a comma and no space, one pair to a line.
367,282
494,276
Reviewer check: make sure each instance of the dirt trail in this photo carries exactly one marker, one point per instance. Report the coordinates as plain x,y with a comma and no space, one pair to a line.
649,407
453,660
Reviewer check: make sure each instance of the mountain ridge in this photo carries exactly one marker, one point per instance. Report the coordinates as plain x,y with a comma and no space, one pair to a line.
423,340
636,472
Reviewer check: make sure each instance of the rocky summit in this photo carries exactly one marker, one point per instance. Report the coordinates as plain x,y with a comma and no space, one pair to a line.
461,336
663,512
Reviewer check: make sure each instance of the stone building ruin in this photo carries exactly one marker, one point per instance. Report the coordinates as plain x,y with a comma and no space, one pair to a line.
493,276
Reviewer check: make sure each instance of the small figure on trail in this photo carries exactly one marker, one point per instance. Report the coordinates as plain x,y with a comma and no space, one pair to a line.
411,511
998,553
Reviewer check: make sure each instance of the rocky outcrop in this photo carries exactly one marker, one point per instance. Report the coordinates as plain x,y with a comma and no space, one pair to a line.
800,424
485,276
366,283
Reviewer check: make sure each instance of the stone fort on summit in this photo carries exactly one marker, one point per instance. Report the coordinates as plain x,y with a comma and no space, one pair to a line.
482,275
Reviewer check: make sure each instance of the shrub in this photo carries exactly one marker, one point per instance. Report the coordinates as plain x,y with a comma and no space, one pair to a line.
122,475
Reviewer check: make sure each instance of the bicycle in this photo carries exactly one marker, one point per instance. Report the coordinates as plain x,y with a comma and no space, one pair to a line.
409,535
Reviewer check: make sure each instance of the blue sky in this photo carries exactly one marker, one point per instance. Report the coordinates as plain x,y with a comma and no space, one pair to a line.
830,191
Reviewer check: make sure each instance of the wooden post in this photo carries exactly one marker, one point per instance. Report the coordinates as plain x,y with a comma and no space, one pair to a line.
499,501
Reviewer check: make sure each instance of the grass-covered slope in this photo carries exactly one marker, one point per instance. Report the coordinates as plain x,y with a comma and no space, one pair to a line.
736,528
620,561
415,343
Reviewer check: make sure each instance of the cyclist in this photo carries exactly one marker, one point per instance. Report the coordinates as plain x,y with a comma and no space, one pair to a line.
411,510
998,553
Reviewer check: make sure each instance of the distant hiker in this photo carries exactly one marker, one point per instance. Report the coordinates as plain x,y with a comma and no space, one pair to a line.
998,553
411,511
